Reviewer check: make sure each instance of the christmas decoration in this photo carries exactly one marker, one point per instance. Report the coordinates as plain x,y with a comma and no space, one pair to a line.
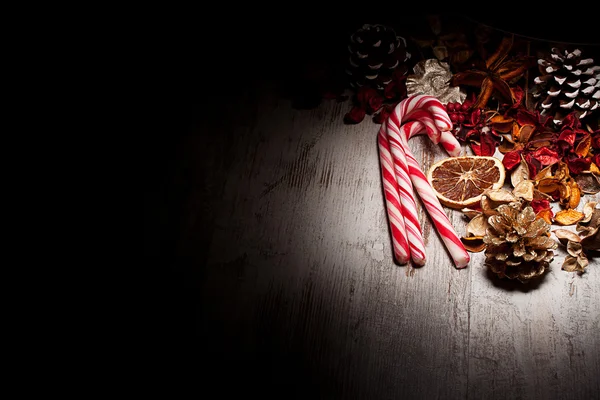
568,83
496,76
432,77
375,53
518,246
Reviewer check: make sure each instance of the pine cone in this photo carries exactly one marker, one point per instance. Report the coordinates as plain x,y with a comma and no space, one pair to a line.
375,53
519,246
567,83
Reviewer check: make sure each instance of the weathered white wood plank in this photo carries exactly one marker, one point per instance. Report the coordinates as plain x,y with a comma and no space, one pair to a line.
300,277
538,340
305,223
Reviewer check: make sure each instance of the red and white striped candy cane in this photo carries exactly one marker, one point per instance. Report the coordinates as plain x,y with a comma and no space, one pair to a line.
447,139
429,104
392,198
449,236
414,233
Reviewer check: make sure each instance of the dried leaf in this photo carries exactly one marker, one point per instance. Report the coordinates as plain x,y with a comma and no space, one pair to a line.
562,171
537,195
500,195
588,183
543,174
583,147
565,236
568,217
582,261
520,173
574,248
546,215
571,265
588,210
470,213
575,196
525,133
592,240
564,190
524,190
473,244
548,185
539,205
477,226
502,124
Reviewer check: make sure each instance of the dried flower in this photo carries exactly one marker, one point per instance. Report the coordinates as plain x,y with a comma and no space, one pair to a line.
432,77
497,75
578,245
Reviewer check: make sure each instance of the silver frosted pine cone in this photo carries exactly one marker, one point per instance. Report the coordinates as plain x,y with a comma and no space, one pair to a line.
375,53
567,83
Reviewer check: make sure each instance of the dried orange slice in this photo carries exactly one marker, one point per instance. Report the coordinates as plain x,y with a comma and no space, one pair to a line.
459,182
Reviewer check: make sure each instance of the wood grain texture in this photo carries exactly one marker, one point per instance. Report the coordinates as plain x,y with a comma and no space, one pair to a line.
300,298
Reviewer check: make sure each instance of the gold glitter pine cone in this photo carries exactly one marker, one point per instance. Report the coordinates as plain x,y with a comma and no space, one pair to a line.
519,246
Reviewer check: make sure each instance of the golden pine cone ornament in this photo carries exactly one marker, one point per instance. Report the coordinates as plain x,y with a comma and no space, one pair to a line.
519,246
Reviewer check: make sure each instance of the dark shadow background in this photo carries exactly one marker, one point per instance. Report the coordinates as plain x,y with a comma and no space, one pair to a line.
204,67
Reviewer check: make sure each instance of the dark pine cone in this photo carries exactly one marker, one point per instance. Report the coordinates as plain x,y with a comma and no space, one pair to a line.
568,83
375,53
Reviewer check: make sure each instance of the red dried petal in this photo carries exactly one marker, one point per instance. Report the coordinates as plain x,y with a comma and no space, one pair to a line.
533,164
375,103
539,205
518,95
355,115
487,145
511,159
364,95
571,121
597,160
596,140
390,90
382,115
567,135
545,156
578,164
475,116
526,117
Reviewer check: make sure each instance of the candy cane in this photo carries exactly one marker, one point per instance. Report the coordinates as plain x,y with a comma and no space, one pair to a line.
392,198
451,240
413,233
407,198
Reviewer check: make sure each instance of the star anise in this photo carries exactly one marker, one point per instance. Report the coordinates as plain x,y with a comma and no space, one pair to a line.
496,76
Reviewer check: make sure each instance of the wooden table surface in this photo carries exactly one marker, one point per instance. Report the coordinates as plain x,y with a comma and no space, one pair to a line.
286,288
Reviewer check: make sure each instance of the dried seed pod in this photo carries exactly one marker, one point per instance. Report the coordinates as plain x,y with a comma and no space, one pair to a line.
500,195
565,236
473,244
524,190
520,173
574,248
588,210
592,240
575,264
477,226
588,183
